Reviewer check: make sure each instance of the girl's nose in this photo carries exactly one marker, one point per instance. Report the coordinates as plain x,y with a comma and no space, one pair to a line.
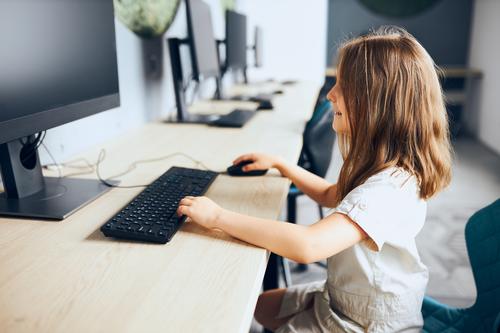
331,96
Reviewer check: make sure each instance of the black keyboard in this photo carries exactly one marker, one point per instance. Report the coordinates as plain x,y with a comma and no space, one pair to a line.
152,215
236,118
264,100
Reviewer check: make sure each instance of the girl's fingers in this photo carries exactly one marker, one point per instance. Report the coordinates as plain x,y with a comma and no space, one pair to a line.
238,160
186,201
242,158
183,210
250,167
185,205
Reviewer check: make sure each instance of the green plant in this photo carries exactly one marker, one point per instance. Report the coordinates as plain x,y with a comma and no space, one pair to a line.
146,18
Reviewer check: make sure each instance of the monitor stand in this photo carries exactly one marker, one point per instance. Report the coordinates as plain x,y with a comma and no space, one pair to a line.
190,118
30,195
259,98
264,101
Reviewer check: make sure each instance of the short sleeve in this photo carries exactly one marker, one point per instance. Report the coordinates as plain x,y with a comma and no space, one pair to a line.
377,207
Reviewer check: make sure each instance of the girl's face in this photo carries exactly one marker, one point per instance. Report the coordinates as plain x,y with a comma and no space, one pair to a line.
340,122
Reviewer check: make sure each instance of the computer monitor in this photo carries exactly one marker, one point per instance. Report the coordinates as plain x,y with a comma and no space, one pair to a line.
202,43
57,64
236,40
204,59
205,64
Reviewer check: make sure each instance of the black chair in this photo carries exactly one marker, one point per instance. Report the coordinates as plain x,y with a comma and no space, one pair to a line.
316,155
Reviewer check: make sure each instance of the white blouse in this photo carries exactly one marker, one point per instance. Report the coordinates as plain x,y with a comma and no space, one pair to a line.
377,285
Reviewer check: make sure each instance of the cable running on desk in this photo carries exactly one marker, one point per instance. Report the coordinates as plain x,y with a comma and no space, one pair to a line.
106,181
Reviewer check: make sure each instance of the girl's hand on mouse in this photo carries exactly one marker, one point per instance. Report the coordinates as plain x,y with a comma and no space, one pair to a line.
201,210
260,161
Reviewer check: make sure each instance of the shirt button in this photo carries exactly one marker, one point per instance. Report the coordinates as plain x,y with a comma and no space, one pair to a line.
362,206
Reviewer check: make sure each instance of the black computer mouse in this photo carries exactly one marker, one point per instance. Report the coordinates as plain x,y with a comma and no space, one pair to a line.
265,105
237,170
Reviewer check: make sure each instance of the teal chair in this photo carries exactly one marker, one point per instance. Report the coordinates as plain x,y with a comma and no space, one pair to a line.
482,235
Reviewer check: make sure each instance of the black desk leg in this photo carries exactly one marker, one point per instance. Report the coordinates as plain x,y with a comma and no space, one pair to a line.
274,266
271,278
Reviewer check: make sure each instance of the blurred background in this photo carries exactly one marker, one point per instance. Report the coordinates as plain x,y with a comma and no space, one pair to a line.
300,39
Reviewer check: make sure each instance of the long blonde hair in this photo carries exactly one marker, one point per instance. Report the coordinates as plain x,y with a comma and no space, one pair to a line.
396,112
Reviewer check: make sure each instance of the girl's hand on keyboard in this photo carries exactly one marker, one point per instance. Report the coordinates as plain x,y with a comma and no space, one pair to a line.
200,210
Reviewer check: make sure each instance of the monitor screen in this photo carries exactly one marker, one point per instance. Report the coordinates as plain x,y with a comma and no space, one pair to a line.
236,40
204,56
258,42
57,63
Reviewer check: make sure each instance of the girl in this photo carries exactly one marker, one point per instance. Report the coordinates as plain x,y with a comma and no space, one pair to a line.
393,134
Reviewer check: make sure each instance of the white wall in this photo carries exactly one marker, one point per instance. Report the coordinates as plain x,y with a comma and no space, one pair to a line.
294,33
485,55
71,138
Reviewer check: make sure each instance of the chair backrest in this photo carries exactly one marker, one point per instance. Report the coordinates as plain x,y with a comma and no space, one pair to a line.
482,235
318,137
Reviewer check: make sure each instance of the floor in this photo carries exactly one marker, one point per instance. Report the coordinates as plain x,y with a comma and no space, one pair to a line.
475,184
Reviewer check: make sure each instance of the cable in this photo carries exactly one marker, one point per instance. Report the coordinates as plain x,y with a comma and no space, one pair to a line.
33,146
68,165
88,164
185,87
195,92
40,142
28,139
102,155
59,172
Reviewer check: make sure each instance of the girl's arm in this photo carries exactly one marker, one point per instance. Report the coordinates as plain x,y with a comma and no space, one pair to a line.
313,186
303,244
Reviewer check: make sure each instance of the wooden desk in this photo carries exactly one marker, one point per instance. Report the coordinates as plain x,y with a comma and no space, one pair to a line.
67,277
